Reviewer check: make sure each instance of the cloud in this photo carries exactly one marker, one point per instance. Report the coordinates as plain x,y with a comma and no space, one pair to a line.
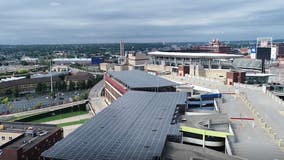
88,21
54,4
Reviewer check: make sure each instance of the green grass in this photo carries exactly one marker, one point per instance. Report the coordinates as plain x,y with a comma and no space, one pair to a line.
59,116
72,123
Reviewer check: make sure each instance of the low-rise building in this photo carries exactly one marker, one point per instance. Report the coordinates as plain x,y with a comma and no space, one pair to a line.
22,141
72,60
29,60
60,68
118,83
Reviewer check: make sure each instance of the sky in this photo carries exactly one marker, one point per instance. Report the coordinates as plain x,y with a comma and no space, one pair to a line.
109,21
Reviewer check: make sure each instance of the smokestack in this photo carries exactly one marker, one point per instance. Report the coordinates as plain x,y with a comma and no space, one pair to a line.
121,48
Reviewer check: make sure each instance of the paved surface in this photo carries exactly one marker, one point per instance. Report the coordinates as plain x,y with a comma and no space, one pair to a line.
42,110
97,102
250,136
21,104
268,109
252,142
70,119
97,89
69,129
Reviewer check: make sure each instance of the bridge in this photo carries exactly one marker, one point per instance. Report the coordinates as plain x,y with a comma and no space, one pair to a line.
43,110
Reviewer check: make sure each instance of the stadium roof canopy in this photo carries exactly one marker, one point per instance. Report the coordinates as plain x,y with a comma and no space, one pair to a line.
139,79
135,127
195,55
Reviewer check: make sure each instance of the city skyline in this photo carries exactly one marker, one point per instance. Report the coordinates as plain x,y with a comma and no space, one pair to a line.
65,22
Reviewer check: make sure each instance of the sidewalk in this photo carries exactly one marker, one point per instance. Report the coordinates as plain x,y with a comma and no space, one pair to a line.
70,119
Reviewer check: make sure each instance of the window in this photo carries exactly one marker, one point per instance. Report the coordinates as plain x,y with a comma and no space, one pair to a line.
10,138
3,138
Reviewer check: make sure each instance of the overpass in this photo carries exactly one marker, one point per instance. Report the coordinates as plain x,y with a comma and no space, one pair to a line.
43,110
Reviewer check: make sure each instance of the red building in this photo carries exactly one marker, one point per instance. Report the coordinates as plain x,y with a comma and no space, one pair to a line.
215,46
118,83
238,77
26,141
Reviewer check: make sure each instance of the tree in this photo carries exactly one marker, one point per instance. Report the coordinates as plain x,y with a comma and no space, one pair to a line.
90,83
16,92
10,107
9,92
41,87
71,86
81,85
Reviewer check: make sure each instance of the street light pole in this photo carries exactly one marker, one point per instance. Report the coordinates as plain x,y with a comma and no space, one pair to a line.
51,82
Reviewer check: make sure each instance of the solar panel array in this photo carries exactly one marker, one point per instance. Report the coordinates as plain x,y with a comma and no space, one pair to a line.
140,79
134,127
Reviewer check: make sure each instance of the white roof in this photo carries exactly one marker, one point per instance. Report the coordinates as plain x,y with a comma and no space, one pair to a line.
259,74
195,55
72,59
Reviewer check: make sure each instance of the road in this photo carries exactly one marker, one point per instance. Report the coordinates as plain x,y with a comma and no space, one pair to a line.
96,90
42,110
97,102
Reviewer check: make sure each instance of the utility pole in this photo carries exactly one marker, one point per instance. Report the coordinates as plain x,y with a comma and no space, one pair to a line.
51,82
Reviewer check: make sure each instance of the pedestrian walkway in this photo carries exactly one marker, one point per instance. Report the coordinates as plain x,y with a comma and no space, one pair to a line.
70,119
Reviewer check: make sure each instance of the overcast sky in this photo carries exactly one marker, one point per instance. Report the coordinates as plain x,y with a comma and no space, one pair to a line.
92,21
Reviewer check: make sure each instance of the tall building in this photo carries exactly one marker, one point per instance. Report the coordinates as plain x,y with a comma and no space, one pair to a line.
121,48
122,58
281,49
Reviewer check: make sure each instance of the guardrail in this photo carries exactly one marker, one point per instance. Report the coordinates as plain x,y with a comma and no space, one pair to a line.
274,97
279,142
247,86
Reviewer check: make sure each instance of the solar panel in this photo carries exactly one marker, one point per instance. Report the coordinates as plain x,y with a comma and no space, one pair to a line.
140,79
135,126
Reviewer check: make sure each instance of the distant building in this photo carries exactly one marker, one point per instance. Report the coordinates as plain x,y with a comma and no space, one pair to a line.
235,77
60,68
106,66
187,58
281,50
72,60
215,46
26,141
25,85
29,60
97,60
257,78
137,59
